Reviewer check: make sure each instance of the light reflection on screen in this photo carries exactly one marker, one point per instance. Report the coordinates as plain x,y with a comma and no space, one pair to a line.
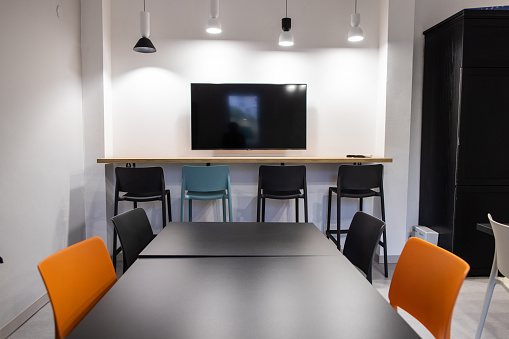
244,112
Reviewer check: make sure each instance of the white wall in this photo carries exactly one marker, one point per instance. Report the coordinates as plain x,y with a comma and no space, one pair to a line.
41,144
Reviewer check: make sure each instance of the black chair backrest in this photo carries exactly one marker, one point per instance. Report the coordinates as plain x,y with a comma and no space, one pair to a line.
355,177
361,241
282,178
135,233
139,179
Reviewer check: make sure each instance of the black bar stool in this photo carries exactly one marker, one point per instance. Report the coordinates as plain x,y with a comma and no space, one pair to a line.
359,182
282,182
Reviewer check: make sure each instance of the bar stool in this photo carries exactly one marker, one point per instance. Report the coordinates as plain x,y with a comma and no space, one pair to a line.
282,182
359,182
206,183
140,184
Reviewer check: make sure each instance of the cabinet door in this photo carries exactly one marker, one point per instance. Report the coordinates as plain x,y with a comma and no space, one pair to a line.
473,203
483,152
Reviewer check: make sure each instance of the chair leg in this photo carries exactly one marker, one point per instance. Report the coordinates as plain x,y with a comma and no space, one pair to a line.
487,299
190,210
296,209
114,249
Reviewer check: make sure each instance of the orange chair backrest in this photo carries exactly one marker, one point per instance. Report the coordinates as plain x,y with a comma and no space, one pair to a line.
76,279
426,283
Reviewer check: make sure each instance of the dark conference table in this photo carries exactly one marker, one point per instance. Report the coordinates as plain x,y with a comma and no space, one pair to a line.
183,239
269,293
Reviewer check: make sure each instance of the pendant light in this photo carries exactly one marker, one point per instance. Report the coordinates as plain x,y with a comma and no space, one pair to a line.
144,45
355,33
214,25
286,38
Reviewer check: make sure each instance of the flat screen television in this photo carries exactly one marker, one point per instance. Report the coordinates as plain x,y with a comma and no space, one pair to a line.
248,116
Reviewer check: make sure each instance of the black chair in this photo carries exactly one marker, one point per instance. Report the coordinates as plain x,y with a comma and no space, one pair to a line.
135,233
141,184
282,182
361,241
356,181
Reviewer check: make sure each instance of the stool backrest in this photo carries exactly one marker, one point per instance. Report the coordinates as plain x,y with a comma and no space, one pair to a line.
282,178
355,177
205,178
76,279
139,179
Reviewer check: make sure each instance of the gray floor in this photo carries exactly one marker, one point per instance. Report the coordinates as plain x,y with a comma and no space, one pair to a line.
465,319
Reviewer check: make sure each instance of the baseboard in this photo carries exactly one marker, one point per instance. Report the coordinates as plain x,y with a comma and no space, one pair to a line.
391,259
26,314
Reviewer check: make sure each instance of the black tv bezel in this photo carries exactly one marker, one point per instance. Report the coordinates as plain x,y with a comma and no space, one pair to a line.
251,148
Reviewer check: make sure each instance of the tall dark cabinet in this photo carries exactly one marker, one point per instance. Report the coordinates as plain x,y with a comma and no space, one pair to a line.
465,132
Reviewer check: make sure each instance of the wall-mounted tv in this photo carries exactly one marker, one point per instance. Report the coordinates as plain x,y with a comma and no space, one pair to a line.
248,116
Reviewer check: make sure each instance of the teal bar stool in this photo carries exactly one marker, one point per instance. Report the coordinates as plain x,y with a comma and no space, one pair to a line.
206,183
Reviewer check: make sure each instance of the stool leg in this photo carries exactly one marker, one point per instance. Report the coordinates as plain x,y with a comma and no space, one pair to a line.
224,209
263,209
386,264
258,202
382,203
163,207
338,212
296,209
306,208
328,213
168,202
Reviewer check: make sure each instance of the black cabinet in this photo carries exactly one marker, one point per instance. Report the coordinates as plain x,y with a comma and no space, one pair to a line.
465,132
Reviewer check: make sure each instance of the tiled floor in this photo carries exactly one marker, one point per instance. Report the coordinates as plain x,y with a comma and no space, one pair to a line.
465,319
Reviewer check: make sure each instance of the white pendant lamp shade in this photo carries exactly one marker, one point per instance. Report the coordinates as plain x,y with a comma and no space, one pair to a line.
214,25
144,45
355,33
286,37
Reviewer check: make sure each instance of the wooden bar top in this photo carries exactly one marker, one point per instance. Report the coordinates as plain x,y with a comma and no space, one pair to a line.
245,160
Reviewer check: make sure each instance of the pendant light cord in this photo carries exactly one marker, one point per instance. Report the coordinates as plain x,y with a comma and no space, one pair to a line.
145,10
287,8
355,6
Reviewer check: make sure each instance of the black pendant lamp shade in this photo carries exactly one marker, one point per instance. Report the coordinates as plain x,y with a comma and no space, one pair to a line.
144,45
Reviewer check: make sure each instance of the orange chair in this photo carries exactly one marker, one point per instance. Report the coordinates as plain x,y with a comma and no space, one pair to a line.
76,279
426,283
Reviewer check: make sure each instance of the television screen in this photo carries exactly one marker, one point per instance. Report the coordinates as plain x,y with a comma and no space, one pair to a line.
248,116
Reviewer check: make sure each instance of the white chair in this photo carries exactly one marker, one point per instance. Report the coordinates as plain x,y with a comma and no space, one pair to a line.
500,263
